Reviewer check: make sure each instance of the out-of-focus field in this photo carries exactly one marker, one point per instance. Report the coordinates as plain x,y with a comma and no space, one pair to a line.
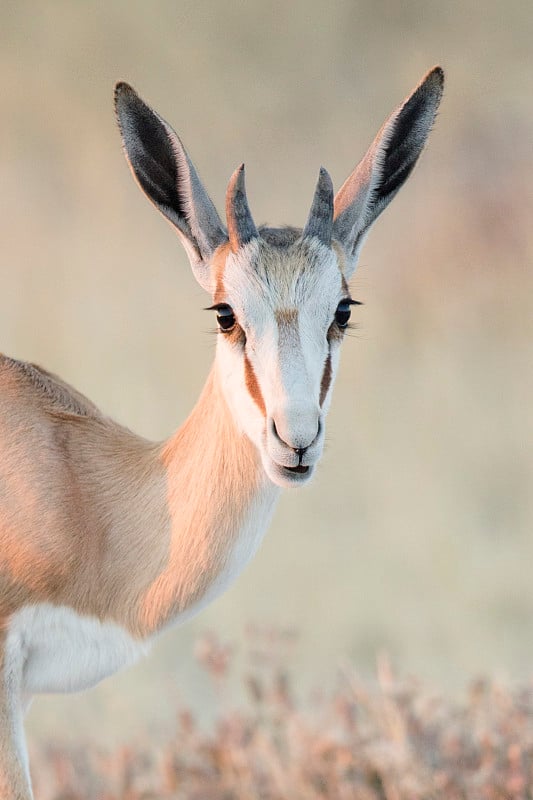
390,740
416,537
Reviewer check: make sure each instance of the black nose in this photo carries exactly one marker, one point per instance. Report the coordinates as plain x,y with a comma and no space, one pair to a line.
300,452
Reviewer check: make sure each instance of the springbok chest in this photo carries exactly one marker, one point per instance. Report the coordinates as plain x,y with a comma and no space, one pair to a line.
64,651
242,550
67,652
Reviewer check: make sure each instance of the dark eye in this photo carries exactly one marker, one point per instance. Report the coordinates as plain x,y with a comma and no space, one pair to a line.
225,317
343,313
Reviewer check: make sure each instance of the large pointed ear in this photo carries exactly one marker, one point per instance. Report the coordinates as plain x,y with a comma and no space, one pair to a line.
167,176
387,164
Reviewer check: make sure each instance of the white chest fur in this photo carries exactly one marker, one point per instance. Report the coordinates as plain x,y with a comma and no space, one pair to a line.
66,652
63,651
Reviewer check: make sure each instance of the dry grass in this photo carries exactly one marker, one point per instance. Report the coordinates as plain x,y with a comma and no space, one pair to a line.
389,740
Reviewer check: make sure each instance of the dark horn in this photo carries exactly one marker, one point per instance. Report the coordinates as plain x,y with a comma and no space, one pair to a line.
320,220
241,227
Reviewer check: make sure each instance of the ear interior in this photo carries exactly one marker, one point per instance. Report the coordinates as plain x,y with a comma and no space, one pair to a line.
167,176
409,129
149,152
386,165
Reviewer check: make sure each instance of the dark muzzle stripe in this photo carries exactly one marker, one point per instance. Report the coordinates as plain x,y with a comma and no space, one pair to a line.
326,380
253,386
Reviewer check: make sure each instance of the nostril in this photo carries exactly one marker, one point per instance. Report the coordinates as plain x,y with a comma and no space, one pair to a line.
300,451
277,435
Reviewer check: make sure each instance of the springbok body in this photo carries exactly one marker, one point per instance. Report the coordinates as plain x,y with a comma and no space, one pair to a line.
106,538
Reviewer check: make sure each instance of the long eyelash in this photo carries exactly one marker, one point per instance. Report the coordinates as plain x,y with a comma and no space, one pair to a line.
353,329
217,307
218,332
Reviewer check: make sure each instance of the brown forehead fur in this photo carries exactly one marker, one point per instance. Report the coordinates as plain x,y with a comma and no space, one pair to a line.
286,316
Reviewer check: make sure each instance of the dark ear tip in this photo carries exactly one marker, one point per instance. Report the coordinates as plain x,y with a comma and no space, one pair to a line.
123,93
325,179
121,86
435,77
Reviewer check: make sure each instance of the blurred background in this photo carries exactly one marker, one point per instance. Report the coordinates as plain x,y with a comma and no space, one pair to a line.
415,538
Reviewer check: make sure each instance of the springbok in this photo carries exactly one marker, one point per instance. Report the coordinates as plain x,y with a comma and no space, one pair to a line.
106,539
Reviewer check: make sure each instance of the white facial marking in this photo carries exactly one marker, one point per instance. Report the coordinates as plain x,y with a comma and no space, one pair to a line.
284,300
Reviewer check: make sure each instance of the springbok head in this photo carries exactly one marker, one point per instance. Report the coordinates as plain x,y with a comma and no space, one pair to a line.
281,295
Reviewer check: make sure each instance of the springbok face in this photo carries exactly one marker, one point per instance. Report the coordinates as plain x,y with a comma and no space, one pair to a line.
282,306
281,296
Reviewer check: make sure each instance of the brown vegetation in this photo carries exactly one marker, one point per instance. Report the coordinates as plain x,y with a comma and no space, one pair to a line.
390,740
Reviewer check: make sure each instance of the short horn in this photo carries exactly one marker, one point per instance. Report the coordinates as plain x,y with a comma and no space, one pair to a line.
241,227
320,220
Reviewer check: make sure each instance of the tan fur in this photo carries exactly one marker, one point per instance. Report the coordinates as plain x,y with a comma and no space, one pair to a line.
219,263
252,385
98,519
204,514
236,335
285,317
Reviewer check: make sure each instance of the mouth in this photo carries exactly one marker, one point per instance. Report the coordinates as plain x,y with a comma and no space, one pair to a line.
290,476
300,469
